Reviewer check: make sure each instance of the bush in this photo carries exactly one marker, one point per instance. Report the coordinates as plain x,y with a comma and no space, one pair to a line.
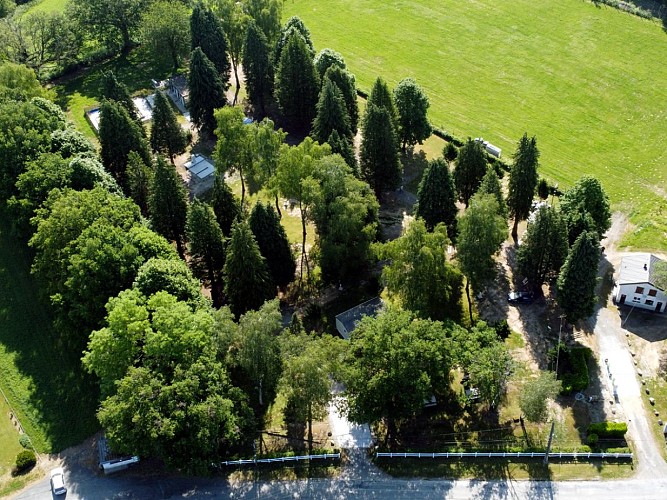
24,440
592,440
503,329
614,430
25,460
577,359
447,137
450,152
543,189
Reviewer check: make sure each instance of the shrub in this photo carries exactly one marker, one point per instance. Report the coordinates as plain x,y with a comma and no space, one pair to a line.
503,329
577,359
25,460
592,440
614,430
543,189
24,440
450,152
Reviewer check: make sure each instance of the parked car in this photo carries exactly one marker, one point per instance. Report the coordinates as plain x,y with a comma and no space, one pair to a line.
519,298
58,482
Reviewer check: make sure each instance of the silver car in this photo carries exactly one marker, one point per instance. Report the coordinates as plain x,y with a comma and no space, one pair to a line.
58,481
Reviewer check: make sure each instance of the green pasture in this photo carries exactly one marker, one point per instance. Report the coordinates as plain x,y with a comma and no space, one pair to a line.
52,398
587,80
48,6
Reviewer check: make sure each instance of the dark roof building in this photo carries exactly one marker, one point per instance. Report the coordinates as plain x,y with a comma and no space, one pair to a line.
347,321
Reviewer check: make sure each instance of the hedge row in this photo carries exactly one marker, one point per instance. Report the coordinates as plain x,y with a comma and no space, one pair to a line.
577,380
627,7
608,429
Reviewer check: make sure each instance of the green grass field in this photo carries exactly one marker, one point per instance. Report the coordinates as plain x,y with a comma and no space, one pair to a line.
52,398
587,81
48,6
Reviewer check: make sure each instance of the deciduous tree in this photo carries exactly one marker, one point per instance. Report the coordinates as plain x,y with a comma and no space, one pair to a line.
267,15
395,363
234,150
420,275
165,29
523,181
536,394
234,19
436,198
327,58
412,105
491,185
470,170
481,234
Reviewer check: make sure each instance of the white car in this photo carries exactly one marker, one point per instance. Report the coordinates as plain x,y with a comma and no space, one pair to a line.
58,481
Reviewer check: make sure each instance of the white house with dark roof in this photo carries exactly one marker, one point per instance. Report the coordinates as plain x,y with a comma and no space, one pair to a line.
635,283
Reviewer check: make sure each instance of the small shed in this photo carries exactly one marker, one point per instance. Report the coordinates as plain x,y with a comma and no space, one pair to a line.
635,283
347,321
200,166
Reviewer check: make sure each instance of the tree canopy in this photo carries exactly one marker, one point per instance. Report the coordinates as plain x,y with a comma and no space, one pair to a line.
586,198
379,161
165,29
523,180
536,394
167,136
168,204
257,68
412,105
578,277
207,91
419,274
470,170
206,33
436,198
331,114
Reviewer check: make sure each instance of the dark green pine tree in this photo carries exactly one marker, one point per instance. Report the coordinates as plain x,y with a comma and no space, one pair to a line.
331,114
343,147
523,181
207,33
207,247
543,247
247,280
273,244
344,80
167,136
436,198
381,96
226,206
139,178
380,164
168,204
297,84
207,91
294,25
119,135
257,68
578,277
491,185
327,58
113,90
470,169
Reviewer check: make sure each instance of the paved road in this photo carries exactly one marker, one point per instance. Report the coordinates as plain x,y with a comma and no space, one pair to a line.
86,486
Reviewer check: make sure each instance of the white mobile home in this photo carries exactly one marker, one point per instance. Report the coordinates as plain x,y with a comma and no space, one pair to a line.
635,283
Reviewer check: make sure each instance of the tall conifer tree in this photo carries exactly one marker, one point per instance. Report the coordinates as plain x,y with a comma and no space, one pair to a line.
167,204
523,181
167,136
578,278
207,91
207,34
257,68
273,244
331,114
380,164
436,198
470,169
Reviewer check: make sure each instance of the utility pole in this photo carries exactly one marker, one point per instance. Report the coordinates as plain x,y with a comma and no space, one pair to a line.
560,331
551,436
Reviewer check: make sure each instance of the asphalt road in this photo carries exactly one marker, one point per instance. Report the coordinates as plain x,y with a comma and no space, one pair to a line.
88,486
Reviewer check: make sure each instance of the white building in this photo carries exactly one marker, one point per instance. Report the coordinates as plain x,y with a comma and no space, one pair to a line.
635,283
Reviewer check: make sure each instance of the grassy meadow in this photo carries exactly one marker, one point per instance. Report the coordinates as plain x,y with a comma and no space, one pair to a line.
48,392
587,80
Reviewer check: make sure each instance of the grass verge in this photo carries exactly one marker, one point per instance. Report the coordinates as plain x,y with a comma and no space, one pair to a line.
52,398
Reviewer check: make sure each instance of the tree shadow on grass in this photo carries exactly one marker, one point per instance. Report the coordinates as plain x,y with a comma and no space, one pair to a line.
54,399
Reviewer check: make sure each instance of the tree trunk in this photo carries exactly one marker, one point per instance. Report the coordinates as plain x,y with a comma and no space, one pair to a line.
238,83
391,432
303,242
515,230
242,187
280,214
179,248
469,301
127,41
310,429
215,293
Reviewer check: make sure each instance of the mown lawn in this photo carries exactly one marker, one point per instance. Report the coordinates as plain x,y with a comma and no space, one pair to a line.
587,80
45,385
9,439
48,6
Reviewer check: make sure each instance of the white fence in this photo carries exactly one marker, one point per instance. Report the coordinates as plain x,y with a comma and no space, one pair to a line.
282,459
507,454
